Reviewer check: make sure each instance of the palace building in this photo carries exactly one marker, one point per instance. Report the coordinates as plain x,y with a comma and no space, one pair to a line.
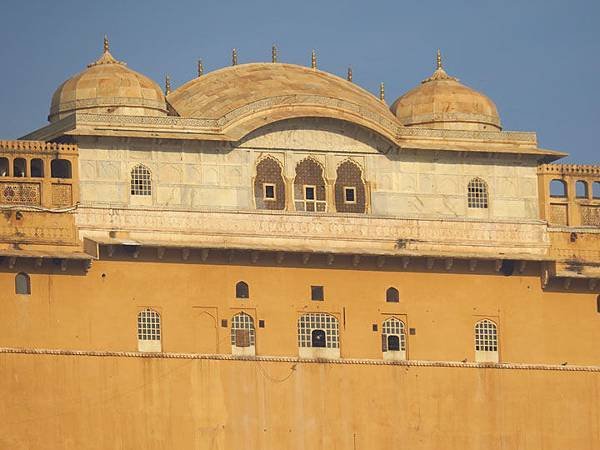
271,257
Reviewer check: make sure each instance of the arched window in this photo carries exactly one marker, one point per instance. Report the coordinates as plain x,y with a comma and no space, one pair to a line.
148,330
141,180
320,331
392,295
269,186
349,189
36,168
22,284
486,341
581,189
242,334
558,188
4,166
477,193
596,189
60,168
242,290
393,339
19,167
309,187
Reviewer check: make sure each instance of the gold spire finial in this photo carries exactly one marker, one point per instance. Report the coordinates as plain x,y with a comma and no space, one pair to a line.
106,46
200,68
439,59
274,54
234,57
167,84
313,60
349,76
439,74
382,92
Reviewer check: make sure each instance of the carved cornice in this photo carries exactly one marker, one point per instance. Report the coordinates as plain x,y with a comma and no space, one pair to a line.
37,147
569,169
451,117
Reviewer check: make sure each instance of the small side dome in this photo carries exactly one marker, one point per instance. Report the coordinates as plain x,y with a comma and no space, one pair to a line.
108,86
442,102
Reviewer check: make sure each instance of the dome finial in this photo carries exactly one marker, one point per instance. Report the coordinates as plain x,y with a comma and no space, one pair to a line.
349,76
313,59
382,92
200,68
439,74
439,59
106,45
167,84
234,57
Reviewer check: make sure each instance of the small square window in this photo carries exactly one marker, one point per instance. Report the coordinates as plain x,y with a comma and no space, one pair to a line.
316,293
269,191
349,195
261,323
412,331
374,327
224,323
309,192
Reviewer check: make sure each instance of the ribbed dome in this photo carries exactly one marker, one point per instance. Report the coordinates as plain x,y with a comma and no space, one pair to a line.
442,102
108,86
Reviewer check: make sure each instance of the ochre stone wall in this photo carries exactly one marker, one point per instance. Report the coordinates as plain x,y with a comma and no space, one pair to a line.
79,402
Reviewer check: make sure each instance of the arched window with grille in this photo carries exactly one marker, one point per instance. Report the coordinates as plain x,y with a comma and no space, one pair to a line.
318,336
477,194
242,290
393,339
392,295
149,331
141,181
486,341
22,284
243,335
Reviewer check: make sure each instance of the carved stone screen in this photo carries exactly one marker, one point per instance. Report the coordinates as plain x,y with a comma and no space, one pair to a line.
349,176
62,195
558,214
590,215
20,193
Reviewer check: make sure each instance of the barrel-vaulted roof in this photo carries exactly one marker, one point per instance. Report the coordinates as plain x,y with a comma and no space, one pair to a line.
244,97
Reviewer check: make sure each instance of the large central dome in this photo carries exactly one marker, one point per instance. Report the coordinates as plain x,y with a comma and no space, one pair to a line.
442,102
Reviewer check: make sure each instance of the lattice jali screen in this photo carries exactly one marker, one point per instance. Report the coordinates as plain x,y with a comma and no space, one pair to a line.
590,215
558,214
62,194
20,193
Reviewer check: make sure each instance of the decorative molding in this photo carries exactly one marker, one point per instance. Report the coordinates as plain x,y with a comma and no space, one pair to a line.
291,359
569,169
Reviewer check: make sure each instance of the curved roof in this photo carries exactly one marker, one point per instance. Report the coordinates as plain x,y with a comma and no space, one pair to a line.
441,101
244,97
108,86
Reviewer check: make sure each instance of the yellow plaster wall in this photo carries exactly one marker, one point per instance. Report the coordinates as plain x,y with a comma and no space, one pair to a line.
68,402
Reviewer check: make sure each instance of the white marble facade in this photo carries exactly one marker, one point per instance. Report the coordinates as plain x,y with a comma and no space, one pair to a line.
211,175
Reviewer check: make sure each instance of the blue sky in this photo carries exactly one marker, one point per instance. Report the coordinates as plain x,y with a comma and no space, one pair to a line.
538,60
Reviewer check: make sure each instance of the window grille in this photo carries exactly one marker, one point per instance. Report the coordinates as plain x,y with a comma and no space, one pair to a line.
148,325
141,182
242,330
392,295
242,290
326,323
486,336
22,284
393,336
477,193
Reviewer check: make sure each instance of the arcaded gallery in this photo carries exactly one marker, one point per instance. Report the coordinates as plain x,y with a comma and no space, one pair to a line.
271,257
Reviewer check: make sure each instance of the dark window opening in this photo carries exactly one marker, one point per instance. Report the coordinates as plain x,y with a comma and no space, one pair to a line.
261,323
269,192
22,284
224,323
316,293
60,168
318,339
392,295
37,168
309,192
598,304
393,343
242,290
19,167
596,189
4,167
350,195
507,267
